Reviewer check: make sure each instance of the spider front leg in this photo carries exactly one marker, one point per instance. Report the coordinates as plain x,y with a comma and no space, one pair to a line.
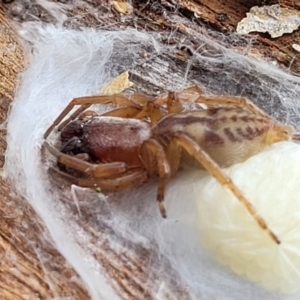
92,170
122,182
212,167
86,102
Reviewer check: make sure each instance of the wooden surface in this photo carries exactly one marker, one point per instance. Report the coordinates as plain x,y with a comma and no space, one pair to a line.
22,244
22,276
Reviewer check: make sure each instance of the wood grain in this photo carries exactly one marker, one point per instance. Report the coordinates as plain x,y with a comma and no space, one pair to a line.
22,246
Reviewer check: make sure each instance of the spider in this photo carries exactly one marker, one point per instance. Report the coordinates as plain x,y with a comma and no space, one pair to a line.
156,136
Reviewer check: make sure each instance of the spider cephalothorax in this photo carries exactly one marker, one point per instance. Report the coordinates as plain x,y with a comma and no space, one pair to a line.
148,137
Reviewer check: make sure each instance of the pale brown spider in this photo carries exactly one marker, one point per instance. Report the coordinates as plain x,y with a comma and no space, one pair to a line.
149,136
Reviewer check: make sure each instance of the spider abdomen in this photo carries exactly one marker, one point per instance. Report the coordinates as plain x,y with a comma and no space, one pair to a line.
228,135
115,139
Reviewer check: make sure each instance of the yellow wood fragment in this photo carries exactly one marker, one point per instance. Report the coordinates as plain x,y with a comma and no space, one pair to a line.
117,85
122,7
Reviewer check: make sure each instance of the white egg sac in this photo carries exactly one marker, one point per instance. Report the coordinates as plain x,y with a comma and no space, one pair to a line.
271,182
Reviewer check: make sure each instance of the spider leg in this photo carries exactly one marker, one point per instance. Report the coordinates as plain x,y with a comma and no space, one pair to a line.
151,111
85,103
194,94
123,112
141,99
154,114
92,170
155,161
87,113
212,167
189,94
78,112
147,110
171,101
125,181
233,101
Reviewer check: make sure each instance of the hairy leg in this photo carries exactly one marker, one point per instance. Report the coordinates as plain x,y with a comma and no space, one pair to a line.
212,167
85,103
93,170
125,181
